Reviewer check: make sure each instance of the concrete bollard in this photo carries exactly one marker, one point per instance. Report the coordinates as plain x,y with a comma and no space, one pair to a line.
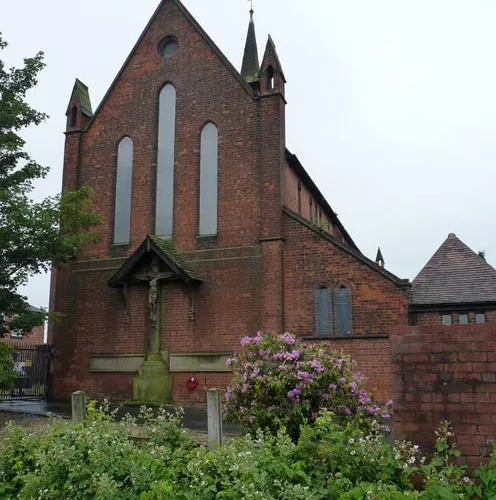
78,406
214,418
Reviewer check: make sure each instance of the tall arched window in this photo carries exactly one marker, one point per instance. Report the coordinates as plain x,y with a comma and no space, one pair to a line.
208,179
343,311
123,187
164,209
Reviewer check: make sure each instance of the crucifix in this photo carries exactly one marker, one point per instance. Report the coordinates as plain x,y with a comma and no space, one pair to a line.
153,278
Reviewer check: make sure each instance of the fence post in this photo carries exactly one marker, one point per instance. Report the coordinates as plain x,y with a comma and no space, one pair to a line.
78,406
214,418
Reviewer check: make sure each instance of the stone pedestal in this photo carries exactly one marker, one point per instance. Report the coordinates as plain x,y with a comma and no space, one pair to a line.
153,385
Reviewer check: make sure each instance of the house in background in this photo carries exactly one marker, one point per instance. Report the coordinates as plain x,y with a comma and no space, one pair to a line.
456,286
19,338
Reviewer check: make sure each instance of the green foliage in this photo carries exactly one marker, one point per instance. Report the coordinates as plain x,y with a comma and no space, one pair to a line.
33,235
104,460
280,382
7,373
485,480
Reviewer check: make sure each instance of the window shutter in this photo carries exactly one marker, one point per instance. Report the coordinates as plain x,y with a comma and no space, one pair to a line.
343,311
323,312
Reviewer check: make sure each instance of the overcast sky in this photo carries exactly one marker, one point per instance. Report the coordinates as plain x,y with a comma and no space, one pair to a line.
391,103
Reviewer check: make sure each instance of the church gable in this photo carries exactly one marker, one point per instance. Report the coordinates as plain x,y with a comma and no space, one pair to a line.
168,43
181,106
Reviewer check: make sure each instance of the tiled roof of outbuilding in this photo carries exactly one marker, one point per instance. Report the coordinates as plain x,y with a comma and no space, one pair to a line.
455,274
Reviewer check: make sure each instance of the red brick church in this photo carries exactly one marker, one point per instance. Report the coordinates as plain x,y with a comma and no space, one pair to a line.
213,229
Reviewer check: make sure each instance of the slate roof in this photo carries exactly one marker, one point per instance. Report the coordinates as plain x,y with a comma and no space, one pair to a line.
83,96
455,274
169,249
167,253
250,66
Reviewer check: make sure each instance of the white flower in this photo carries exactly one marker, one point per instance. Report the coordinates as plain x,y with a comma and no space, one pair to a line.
351,441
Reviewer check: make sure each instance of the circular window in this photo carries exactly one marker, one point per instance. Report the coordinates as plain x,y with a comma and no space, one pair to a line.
168,47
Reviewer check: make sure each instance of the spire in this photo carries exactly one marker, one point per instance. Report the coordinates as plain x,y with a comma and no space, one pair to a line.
379,259
250,66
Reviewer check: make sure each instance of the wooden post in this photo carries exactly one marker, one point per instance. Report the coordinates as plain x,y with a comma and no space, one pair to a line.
214,418
78,406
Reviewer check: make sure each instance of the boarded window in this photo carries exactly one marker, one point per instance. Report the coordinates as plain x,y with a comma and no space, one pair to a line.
323,312
463,319
208,179
164,215
480,318
343,311
446,319
123,187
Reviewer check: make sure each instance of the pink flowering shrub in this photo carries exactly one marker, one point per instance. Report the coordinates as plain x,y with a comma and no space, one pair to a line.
280,381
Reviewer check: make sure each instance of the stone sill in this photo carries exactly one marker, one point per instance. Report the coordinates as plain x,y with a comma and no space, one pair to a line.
348,337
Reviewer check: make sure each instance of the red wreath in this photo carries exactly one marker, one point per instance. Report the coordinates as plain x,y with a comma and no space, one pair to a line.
192,383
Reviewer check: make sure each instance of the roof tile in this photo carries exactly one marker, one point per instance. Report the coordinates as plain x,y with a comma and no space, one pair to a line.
455,274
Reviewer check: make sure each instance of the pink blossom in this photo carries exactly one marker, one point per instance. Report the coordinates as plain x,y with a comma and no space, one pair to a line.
246,341
287,338
245,388
325,396
333,387
347,411
256,340
342,380
305,376
252,419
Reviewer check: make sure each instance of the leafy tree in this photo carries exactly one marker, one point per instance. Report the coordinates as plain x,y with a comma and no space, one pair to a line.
33,235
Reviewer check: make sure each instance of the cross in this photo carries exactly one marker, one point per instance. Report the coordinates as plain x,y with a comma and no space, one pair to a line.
153,279
251,3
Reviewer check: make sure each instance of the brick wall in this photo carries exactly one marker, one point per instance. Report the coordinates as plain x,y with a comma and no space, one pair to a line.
435,318
296,197
379,304
446,373
311,260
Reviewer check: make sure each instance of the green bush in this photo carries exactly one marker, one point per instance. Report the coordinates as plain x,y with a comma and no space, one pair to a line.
104,460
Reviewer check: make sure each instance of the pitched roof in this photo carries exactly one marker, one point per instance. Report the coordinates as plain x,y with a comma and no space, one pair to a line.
166,251
270,50
455,274
250,66
295,164
83,96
